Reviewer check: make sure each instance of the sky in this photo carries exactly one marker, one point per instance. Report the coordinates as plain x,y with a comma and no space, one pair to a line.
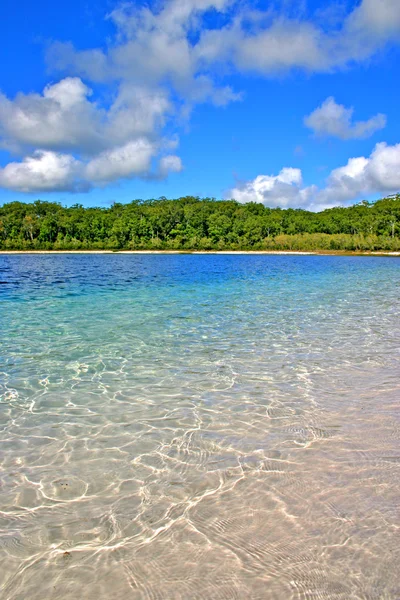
292,103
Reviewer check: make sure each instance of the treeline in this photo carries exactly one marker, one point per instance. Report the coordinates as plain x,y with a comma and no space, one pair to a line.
191,223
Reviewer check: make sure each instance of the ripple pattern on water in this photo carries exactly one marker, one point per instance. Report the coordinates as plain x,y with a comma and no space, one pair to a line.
196,427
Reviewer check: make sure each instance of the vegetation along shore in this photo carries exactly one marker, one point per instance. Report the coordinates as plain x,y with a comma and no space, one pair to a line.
200,224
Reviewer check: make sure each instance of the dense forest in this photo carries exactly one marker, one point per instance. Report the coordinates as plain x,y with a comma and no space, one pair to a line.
191,223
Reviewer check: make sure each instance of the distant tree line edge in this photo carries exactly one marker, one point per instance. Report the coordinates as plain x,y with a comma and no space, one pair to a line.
193,223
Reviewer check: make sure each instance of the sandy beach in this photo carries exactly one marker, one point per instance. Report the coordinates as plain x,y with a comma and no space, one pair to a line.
301,253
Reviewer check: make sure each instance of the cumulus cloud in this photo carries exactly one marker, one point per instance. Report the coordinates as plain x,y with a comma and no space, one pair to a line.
282,190
379,19
63,117
378,173
47,171
152,80
70,143
137,111
150,46
175,43
282,45
134,158
267,43
332,119
170,164
159,64
44,171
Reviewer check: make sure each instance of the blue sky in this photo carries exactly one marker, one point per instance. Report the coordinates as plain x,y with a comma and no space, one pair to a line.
288,103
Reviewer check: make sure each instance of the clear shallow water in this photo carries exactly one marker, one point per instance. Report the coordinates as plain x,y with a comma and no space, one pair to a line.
199,427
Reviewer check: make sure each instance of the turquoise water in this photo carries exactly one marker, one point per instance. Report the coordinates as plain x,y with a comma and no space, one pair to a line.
199,426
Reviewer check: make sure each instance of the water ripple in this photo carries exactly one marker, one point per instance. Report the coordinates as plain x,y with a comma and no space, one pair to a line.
195,427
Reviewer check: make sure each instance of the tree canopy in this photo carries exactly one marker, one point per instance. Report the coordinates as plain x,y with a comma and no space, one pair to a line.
193,223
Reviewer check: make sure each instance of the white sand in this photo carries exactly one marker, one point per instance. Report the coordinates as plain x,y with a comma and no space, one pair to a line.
381,253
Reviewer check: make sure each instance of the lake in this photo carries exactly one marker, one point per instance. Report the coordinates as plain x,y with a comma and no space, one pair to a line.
199,427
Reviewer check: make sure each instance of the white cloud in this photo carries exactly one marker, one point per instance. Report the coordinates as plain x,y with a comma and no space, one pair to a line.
282,45
43,171
61,131
63,117
134,158
60,118
377,18
91,64
361,176
282,190
170,164
46,171
164,60
379,173
122,137
136,112
335,120
151,46
68,93
278,42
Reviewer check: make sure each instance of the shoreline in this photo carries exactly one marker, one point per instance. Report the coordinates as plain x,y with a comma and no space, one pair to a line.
241,252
